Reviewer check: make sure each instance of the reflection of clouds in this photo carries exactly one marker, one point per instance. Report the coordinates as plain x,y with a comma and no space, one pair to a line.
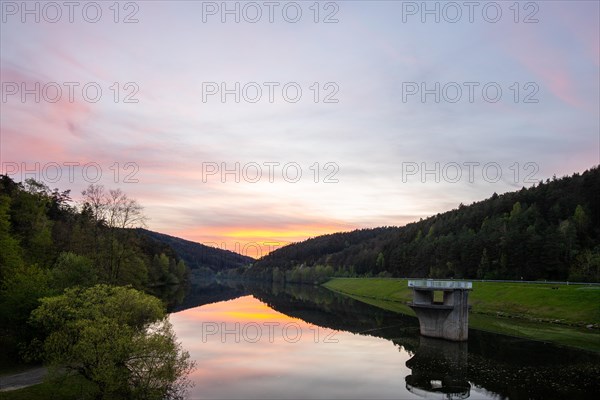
243,309
281,369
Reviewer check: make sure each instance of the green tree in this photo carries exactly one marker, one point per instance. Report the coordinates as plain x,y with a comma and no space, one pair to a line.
380,262
118,215
278,276
20,292
581,219
516,211
586,267
484,265
117,338
160,268
30,223
10,256
73,270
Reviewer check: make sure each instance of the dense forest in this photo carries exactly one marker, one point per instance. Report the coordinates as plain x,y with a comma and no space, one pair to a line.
206,260
48,245
548,231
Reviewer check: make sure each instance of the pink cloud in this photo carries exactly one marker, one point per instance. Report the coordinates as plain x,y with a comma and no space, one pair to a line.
548,67
537,49
23,146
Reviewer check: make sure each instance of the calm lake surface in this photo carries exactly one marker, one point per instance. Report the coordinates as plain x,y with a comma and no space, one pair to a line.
257,342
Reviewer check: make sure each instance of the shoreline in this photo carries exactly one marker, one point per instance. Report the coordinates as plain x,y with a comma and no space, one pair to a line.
490,311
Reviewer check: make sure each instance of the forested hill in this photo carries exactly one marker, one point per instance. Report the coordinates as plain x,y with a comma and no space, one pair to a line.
49,244
43,232
199,256
548,231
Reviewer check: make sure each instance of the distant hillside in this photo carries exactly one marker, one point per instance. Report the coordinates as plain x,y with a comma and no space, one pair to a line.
548,231
198,256
320,249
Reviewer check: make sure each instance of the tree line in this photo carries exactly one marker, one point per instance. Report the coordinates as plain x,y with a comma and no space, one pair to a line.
202,259
75,278
548,231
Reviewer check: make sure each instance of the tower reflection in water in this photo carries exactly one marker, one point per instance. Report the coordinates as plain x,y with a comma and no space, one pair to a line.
439,370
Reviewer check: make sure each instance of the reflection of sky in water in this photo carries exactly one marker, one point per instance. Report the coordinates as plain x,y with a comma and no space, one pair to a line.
355,366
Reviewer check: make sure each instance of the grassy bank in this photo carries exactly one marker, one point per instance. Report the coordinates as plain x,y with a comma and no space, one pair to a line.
548,312
66,388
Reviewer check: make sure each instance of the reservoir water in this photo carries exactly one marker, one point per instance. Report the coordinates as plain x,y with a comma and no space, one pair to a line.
269,342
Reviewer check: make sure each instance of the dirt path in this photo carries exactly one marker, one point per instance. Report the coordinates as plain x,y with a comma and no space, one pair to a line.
23,379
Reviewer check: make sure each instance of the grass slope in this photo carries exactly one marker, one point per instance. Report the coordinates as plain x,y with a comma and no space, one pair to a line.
69,387
547,312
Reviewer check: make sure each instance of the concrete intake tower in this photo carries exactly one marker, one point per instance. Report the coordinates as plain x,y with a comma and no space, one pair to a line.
448,319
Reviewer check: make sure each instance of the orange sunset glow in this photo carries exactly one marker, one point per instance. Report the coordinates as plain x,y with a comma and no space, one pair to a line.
257,242
243,309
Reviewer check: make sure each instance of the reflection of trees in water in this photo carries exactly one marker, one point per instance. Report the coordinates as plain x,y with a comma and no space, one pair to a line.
519,368
172,295
319,306
510,367
204,292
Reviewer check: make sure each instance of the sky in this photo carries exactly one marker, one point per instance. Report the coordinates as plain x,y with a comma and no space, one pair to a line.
250,125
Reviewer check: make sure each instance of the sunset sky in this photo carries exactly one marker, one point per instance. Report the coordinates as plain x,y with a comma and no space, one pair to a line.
369,135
